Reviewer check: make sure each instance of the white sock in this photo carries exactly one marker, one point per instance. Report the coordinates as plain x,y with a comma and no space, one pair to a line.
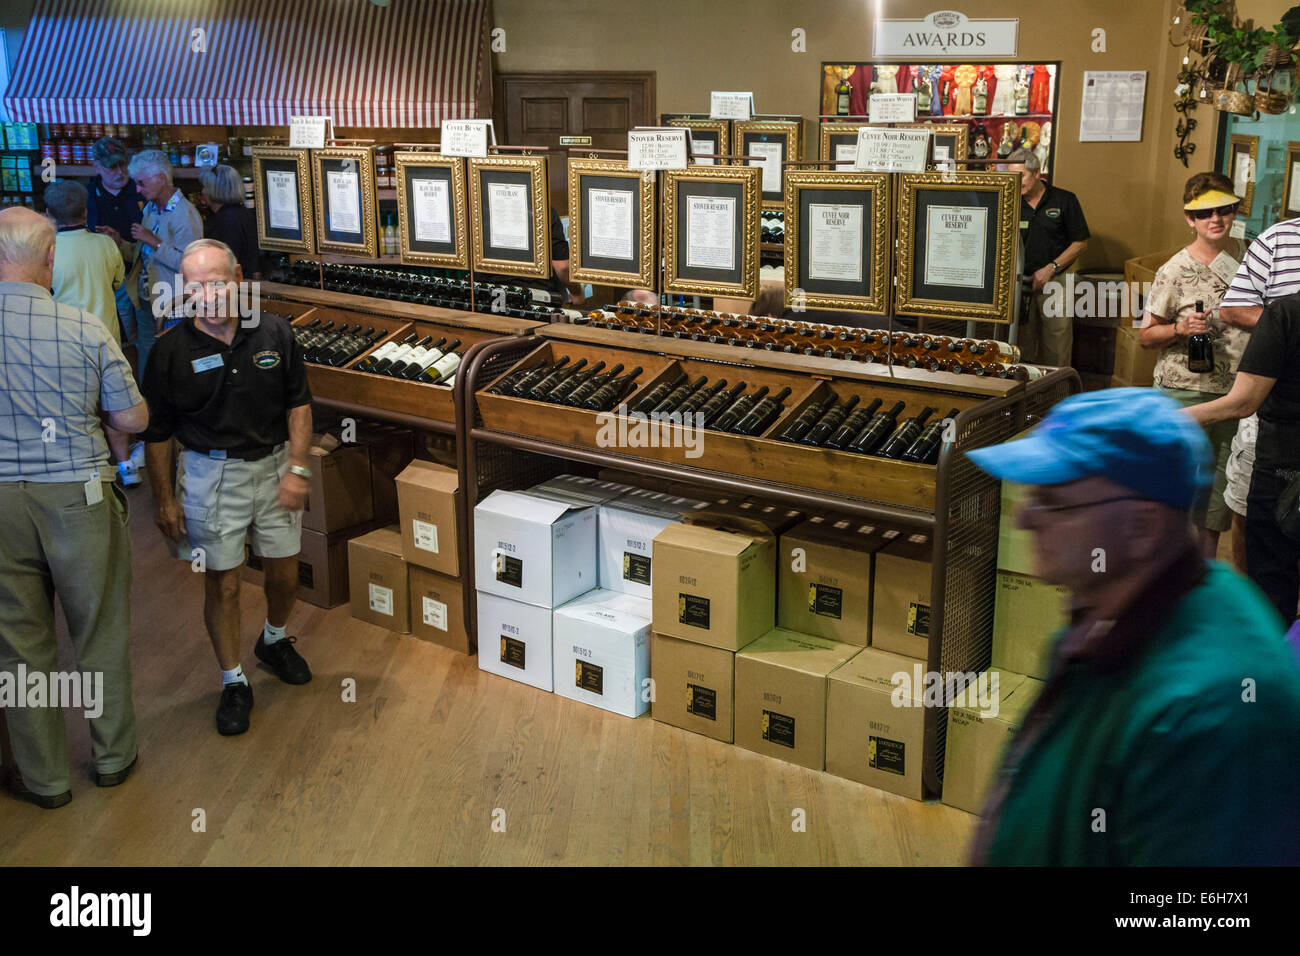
271,633
235,676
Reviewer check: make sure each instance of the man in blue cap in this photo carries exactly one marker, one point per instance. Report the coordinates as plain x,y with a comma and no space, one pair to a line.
1168,729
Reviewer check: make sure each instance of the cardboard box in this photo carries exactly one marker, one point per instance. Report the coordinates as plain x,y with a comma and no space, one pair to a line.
900,615
428,501
322,566
438,609
391,450
694,686
824,569
377,580
601,652
977,738
1026,614
537,550
868,739
1015,545
628,526
338,495
1133,363
781,695
714,585
515,640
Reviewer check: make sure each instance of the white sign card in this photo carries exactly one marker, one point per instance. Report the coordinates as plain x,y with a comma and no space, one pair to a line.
702,146
732,106
892,150
1293,200
431,210
1243,173
710,232
282,199
508,216
609,223
892,108
466,137
847,151
661,148
834,242
1112,106
769,156
945,34
310,132
955,245
343,186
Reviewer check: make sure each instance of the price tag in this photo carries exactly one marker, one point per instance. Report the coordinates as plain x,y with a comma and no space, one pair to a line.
892,108
657,148
893,150
310,132
732,106
1238,229
466,137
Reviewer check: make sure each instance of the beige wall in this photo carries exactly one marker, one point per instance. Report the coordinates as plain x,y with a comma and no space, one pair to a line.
1129,191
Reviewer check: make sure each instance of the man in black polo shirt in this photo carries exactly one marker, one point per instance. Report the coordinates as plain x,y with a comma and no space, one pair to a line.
112,207
232,392
1053,234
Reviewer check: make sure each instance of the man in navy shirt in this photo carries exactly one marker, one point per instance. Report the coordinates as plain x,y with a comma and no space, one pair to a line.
112,207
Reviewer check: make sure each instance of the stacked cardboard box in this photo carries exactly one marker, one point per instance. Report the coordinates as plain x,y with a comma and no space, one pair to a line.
979,733
1028,610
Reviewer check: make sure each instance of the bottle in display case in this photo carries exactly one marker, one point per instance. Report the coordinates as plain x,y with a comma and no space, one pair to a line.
903,437
925,450
843,93
877,430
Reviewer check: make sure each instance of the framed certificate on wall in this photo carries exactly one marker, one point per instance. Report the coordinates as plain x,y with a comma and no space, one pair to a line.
1291,182
282,198
957,245
432,209
346,217
1243,153
707,136
509,215
839,142
711,230
837,240
611,224
770,143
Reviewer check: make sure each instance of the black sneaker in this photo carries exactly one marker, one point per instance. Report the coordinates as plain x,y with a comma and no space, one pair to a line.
232,712
283,659
117,777
14,784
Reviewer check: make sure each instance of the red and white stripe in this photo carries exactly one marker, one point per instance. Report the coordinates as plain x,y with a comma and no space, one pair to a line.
409,65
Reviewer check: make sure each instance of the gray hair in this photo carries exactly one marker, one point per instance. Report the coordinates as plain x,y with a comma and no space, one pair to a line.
223,184
66,202
149,162
198,245
25,238
1026,157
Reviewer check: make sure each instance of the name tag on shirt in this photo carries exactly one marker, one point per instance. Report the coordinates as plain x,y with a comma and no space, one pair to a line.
208,362
1024,223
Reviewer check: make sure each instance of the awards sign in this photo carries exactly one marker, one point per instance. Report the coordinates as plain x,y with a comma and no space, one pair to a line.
310,132
732,106
892,107
657,148
892,150
466,137
947,35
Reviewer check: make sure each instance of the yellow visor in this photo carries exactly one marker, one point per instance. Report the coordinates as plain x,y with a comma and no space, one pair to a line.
1211,199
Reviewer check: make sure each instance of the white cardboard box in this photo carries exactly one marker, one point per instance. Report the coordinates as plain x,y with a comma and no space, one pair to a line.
602,651
628,526
514,640
537,550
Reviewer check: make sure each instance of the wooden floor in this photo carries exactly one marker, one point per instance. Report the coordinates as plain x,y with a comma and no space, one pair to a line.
419,768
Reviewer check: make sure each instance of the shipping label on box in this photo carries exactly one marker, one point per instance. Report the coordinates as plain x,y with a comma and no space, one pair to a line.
428,502
824,571
977,738
900,616
602,651
538,550
694,686
1026,614
515,640
377,580
437,610
872,735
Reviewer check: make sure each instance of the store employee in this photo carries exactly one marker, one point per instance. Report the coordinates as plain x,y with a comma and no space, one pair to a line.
1053,234
232,396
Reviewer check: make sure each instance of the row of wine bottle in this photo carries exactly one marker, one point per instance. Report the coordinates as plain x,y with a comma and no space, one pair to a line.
328,344
864,429
578,385
415,359
715,406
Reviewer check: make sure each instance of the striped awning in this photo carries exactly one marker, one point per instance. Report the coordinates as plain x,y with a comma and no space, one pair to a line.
410,64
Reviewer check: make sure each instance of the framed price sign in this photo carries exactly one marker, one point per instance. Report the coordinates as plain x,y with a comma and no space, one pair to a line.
950,141
510,216
432,210
282,198
771,143
611,224
707,136
711,230
837,240
839,141
346,213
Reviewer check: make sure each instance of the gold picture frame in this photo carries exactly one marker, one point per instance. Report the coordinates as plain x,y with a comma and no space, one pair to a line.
788,133
829,132
643,276
956,134
744,183
298,162
720,129
416,250
1004,206
511,171
344,160
1291,180
1243,177
875,252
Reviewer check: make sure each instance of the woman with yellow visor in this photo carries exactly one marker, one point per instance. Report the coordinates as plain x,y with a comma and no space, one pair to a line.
1183,302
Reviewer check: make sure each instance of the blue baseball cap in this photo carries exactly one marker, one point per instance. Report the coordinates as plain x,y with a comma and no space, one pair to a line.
1136,437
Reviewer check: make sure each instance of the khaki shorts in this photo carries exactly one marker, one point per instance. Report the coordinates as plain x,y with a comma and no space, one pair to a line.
226,500
1212,512
1241,465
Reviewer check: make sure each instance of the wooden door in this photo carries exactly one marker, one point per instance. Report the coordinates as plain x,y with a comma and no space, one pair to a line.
536,109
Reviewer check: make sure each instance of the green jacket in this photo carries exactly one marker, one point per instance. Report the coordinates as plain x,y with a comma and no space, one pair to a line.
1161,757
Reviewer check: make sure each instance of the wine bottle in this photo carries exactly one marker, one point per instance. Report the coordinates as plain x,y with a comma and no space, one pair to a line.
301,332
442,371
317,352
700,397
852,425
415,360
739,409
310,340
678,395
904,435
584,391
657,394
608,394
714,406
1200,348
876,430
926,448
806,419
354,346
539,372
762,414
431,357
832,420
400,355
568,385
383,352
540,391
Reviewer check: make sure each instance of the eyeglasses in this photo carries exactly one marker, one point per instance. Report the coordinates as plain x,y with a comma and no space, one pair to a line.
1224,211
1033,506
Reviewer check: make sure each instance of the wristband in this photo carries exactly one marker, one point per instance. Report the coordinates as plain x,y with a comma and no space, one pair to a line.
301,472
